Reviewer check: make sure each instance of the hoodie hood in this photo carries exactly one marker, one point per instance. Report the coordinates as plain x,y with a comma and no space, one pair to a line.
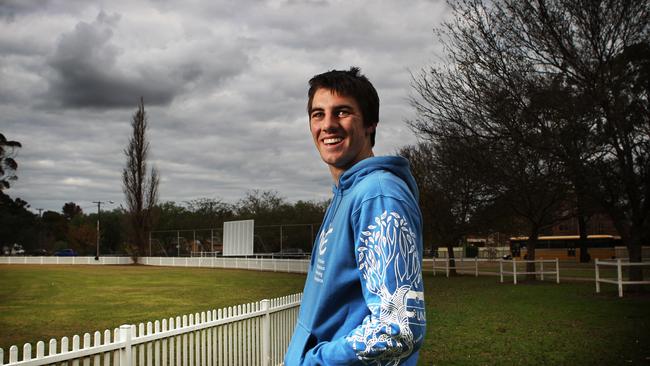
394,164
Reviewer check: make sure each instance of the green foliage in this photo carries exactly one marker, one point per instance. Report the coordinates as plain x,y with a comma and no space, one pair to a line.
17,223
8,164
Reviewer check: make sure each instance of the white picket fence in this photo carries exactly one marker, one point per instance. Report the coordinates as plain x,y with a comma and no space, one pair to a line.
251,334
619,281
256,264
65,260
251,263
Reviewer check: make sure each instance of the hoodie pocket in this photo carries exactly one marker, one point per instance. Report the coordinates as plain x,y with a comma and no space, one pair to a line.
301,342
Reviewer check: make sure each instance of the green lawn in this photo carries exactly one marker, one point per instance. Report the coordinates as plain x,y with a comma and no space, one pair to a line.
471,321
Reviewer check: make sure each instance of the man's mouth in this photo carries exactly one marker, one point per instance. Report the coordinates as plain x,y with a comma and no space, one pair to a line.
332,141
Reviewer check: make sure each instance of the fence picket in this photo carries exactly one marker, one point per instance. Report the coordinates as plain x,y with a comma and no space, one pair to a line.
40,349
64,347
13,354
86,360
51,348
156,344
27,352
97,341
107,355
220,340
179,345
204,336
116,353
191,344
163,344
75,347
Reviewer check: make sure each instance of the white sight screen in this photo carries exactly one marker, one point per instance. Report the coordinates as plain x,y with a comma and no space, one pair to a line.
238,237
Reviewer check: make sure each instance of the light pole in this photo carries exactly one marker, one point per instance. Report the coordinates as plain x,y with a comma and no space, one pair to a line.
99,204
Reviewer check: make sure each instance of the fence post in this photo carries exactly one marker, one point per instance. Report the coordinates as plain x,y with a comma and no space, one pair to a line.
597,277
266,333
557,270
125,351
620,277
542,267
514,270
501,269
476,265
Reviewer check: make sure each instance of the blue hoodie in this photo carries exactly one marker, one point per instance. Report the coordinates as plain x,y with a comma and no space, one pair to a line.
363,301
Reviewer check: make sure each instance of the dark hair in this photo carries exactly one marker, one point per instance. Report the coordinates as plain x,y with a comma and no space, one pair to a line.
353,84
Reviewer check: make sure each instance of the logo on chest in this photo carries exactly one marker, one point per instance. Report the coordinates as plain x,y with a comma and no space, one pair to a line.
319,270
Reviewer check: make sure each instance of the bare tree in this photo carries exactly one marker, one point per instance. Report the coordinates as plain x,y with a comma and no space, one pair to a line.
8,165
140,189
567,79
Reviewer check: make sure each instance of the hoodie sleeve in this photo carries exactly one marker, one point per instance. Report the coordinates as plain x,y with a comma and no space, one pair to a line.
388,253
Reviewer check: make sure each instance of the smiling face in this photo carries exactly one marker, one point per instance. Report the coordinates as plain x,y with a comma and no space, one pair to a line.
337,127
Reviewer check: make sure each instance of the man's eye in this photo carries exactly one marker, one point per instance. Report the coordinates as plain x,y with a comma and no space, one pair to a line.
341,114
317,115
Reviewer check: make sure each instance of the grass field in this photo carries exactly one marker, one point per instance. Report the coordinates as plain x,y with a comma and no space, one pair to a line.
470,321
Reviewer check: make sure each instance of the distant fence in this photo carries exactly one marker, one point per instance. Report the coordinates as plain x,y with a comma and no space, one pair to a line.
251,334
619,281
65,260
256,264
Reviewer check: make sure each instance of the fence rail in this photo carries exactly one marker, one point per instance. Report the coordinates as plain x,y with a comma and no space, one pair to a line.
108,260
541,271
250,334
474,265
619,264
256,264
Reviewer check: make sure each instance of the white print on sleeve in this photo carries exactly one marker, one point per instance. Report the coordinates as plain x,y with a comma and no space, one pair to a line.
390,265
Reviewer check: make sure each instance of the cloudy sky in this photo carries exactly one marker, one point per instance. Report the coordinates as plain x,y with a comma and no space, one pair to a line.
224,85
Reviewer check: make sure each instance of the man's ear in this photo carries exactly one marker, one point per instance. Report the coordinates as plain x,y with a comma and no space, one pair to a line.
370,129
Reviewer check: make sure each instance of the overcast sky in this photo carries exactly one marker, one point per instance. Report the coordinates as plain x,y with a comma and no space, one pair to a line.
224,85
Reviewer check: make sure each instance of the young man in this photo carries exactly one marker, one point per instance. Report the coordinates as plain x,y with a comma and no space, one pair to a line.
363,300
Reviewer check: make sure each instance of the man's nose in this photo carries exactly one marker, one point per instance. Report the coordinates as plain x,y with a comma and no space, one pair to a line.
330,122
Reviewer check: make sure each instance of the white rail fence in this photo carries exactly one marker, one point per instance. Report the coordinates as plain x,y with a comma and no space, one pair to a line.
251,334
619,281
460,265
472,265
514,273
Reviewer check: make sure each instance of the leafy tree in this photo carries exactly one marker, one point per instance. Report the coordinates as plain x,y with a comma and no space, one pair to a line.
17,223
71,210
140,188
8,165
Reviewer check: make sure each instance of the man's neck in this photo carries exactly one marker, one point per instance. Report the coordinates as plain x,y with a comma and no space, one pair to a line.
336,172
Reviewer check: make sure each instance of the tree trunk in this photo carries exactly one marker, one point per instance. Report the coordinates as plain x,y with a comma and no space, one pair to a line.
450,258
635,251
582,241
530,253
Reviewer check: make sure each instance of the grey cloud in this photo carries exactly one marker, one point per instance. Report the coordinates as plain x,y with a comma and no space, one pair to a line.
85,62
88,72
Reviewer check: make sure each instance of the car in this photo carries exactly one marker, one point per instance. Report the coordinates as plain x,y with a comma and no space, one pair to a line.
66,253
40,252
